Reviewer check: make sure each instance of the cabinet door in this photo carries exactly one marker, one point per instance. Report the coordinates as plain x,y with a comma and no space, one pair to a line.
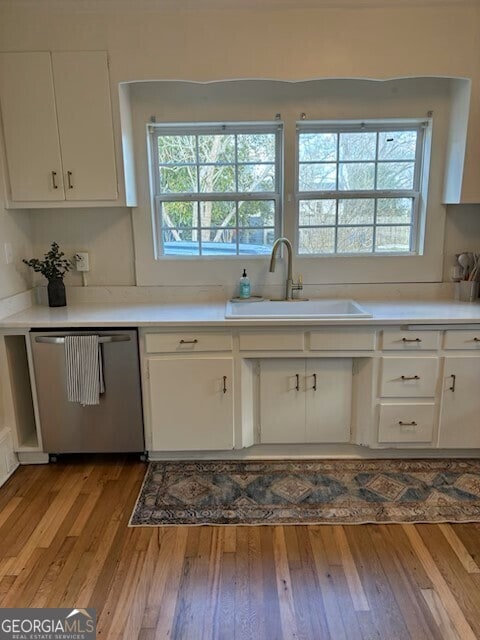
189,409
460,413
82,92
328,388
282,400
30,127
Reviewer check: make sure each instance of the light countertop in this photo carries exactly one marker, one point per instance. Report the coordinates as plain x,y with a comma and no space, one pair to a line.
213,314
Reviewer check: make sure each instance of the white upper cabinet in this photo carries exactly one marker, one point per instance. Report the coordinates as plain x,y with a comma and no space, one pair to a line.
58,130
30,127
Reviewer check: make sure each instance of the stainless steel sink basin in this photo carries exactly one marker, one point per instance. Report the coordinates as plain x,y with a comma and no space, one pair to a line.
300,309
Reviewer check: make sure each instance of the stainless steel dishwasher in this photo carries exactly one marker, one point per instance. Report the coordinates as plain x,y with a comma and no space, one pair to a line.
114,425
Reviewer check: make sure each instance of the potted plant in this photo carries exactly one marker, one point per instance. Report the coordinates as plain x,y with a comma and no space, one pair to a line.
54,266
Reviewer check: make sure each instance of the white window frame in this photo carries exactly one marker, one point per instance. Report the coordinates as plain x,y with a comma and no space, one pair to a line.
195,129
416,193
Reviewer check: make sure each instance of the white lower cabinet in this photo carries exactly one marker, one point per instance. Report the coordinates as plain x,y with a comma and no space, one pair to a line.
460,411
305,400
190,403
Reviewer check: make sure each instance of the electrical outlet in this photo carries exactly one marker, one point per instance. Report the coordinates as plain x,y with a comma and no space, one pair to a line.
82,261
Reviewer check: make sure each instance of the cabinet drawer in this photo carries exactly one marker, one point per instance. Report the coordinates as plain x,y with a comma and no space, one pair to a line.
408,377
396,340
187,342
342,339
462,340
281,341
406,423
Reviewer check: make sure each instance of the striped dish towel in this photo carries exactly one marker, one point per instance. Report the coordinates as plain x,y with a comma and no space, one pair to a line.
84,368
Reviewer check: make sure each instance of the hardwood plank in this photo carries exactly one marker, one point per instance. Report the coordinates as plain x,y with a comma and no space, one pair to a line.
445,626
448,601
357,593
460,551
386,614
416,615
325,578
284,584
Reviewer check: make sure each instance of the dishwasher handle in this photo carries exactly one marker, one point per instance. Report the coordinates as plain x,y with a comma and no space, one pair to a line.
101,339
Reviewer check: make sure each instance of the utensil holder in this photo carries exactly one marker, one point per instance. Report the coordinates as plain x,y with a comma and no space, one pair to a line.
466,291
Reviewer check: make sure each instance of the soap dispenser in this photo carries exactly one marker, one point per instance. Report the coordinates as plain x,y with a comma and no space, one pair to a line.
244,285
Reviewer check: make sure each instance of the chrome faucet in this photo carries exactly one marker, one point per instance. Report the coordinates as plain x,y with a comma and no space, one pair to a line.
290,285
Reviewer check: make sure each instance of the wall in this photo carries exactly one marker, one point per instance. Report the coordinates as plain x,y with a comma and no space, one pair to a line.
208,43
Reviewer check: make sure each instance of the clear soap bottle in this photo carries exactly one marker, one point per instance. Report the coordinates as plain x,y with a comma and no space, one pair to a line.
244,285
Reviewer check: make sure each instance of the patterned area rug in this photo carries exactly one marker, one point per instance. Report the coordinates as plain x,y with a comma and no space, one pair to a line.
309,492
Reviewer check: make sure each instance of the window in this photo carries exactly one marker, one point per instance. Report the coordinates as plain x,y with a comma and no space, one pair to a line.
216,188
358,187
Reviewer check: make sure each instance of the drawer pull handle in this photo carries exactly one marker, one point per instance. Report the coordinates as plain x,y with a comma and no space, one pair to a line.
454,382
54,180
224,384
407,424
314,382
297,384
476,339
69,179
410,377
194,341
411,339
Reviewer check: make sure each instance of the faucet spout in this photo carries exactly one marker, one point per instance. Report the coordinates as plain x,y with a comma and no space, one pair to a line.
290,285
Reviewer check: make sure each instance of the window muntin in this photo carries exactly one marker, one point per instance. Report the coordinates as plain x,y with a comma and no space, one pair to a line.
217,188
358,188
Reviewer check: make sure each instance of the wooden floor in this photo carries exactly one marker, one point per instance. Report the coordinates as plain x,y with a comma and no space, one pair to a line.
65,542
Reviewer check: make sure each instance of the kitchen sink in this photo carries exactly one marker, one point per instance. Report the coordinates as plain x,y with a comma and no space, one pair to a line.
300,309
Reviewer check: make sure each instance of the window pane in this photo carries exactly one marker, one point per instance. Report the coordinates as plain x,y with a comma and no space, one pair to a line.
255,241
394,210
256,147
177,149
356,211
358,146
178,179
356,176
256,213
216,148
395,175
317,147
256,177
317,212
355,240
316,240
393,239
218,235
179,214
317,177
180,242
397,145
217,179
218,214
